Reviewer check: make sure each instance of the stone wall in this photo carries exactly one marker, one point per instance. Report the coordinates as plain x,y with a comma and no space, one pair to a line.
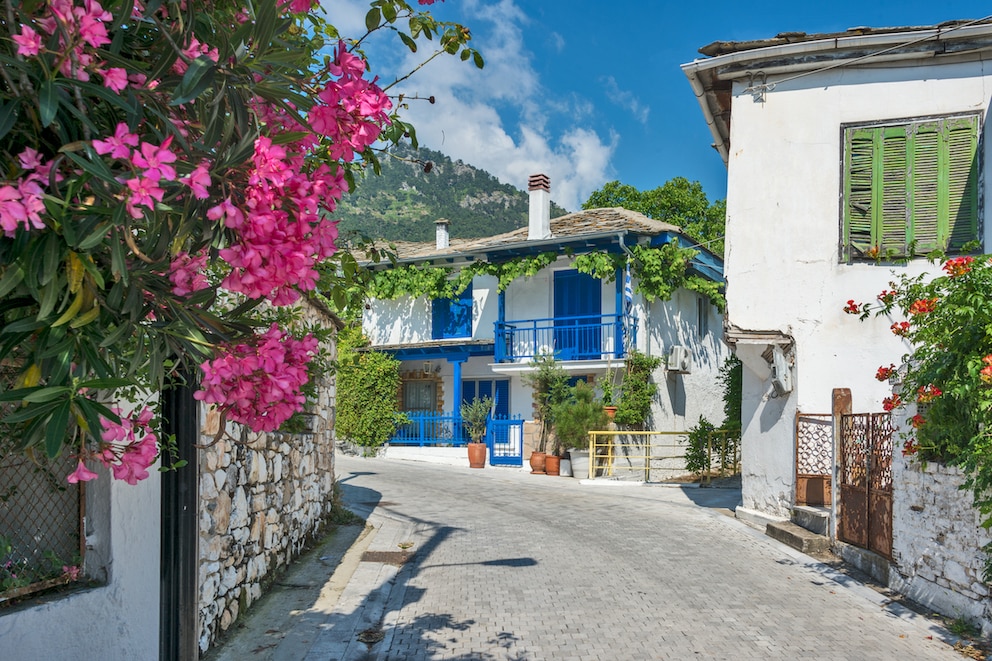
936,542
263,497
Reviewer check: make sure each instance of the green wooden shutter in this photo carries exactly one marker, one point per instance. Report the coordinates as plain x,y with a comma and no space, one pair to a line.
961,223
925,169
893,194
858,192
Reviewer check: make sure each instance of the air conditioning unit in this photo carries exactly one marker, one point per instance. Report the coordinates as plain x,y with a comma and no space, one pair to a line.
781,372
679,360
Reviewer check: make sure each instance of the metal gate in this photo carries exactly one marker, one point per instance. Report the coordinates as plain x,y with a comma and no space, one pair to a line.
814,458
865,518
506,442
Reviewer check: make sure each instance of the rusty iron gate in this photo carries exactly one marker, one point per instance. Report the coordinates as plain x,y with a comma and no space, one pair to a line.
814,458
865,517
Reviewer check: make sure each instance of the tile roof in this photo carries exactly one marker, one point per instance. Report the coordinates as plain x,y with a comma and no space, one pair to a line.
565,228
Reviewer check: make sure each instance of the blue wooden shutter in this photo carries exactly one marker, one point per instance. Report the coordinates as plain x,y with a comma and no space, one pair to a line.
452,318
502,388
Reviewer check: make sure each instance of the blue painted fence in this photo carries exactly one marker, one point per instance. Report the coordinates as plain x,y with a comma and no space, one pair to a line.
503,436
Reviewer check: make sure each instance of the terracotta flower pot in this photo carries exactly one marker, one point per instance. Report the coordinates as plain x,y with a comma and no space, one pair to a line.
537,460
552,464
476,455
610,411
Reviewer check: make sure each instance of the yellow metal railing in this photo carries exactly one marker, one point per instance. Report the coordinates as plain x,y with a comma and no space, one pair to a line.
660,452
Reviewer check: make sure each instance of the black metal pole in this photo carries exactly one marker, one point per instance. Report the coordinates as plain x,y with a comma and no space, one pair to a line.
179,558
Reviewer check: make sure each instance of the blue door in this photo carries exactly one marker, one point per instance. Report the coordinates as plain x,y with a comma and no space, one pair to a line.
578,316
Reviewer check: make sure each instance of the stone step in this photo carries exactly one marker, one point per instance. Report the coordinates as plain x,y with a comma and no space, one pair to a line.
797,537
814,519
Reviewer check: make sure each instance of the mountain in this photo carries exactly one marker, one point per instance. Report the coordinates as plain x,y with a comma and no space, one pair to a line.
404,202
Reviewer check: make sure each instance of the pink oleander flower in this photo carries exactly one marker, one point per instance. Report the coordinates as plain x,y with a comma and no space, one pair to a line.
143,192
130,447
70,573
28,42
186,274
81,474
257,382
21,205
198,181
298,6
119,144
115,79
155,160
30,159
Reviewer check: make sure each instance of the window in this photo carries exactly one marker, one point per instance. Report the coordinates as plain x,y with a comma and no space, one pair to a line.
910,188
702,317
452,318
420,395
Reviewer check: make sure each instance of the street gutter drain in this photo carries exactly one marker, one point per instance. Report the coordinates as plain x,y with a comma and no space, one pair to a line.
387,557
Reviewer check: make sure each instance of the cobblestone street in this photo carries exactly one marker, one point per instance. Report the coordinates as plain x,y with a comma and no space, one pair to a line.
499,564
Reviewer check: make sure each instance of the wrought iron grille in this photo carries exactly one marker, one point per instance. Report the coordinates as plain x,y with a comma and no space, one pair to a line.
41,518
814,444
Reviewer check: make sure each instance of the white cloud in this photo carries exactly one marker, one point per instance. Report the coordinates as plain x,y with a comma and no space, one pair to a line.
626,100
500,118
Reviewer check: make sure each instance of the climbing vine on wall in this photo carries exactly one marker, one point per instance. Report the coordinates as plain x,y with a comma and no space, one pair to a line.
657,271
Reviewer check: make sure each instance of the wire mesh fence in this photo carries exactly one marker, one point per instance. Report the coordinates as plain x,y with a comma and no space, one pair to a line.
41,517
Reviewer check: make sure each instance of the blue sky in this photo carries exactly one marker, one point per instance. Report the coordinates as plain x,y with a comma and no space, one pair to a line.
589,92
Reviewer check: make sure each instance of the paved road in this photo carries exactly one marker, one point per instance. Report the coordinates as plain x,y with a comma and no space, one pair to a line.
511,566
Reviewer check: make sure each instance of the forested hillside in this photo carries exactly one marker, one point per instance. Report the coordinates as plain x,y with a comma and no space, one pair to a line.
404,202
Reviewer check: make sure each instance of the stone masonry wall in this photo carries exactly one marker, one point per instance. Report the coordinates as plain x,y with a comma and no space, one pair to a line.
262,499
936,542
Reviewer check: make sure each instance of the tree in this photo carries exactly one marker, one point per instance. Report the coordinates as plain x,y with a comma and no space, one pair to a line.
679,202
367,384
167,168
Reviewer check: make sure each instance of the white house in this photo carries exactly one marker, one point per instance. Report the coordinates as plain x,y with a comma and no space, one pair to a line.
482,343
845,153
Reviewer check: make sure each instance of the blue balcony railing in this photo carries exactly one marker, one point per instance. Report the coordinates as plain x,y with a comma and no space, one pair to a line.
595,337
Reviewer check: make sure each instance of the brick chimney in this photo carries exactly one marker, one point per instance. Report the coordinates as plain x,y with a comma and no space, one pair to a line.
441,233
539,186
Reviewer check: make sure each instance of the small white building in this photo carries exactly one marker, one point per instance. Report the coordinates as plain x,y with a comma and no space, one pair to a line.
849,157
482,343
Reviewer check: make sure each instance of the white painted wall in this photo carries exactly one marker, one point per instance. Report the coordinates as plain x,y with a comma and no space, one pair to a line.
117,621
783,229
683,398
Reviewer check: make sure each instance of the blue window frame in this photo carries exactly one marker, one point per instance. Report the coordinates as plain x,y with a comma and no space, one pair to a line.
452,318
498,389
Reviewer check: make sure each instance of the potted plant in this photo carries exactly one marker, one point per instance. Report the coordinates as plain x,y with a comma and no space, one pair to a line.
611,392
475,416
574,419
549,386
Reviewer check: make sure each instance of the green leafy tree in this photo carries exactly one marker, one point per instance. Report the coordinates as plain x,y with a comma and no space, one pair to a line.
367,384
576,416
679,201
549,388
637,391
